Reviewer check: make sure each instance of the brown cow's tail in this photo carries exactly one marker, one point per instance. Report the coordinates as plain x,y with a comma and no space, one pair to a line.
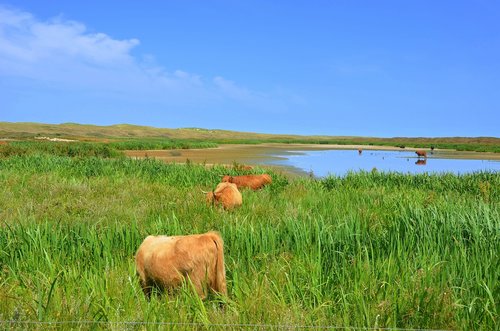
220,271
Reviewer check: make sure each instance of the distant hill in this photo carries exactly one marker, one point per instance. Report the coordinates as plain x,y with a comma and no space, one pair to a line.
75,130
88,132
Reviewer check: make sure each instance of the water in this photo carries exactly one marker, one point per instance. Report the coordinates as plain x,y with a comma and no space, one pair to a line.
339,162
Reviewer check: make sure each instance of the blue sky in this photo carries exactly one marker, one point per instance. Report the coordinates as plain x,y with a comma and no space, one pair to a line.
363,68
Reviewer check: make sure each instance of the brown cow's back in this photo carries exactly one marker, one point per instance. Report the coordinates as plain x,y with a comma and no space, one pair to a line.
421,153
165,261
254,182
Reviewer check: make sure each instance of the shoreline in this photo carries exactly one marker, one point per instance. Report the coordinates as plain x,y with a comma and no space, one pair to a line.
263,155
258,154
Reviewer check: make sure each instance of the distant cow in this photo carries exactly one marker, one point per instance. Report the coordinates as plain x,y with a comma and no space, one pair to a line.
164,262
254,182
360,151
226,194
3,142
421,153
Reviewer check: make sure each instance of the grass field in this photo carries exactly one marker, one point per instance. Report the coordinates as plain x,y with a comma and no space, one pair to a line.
368,250
125,136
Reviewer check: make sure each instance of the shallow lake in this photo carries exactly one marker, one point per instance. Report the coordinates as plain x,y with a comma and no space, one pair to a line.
340,162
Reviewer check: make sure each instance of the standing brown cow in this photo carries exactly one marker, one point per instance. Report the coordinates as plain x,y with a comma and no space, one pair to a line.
165,262
421,153
226,194
254,182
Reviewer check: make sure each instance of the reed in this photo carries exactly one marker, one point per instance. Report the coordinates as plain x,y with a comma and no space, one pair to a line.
365,250
96,149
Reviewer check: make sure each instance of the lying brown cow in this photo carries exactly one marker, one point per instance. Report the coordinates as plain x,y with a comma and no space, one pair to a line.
421,153
254,182
226,194
165,262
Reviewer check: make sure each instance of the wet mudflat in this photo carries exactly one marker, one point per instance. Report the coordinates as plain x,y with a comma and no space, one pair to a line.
322,160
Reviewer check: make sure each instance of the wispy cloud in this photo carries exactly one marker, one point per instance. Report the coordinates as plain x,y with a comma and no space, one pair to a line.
232,90
64,54
24,39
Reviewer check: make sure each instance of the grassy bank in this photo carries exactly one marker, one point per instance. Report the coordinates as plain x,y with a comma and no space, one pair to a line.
96,149
367,250
124,136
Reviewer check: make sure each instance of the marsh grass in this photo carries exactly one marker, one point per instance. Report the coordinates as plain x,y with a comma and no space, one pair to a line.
124,136
365,250
96,149
71,149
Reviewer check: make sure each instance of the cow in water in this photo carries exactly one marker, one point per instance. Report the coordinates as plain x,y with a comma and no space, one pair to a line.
165,262
225,194
254,182
360,151
421,153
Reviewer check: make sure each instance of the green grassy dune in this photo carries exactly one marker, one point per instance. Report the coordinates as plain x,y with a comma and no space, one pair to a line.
367,250
126,136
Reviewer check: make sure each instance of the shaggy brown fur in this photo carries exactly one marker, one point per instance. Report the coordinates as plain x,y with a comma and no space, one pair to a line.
421,153
165,262
226,194
254,182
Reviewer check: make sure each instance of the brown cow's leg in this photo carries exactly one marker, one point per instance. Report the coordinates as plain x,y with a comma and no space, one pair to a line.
146,289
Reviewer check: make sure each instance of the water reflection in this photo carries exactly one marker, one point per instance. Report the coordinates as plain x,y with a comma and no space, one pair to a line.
339,162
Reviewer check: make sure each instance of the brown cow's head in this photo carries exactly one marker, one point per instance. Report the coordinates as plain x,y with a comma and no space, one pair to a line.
227,179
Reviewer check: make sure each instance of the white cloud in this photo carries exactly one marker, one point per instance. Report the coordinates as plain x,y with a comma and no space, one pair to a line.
64,53
24,38
61,54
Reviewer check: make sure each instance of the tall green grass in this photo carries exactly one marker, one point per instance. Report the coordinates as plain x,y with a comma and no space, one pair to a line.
157,144
71,149
365,250
96,149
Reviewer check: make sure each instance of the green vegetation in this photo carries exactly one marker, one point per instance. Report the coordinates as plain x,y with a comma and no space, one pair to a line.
367,250
72,149
124,136
468,145
156,144
97,149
